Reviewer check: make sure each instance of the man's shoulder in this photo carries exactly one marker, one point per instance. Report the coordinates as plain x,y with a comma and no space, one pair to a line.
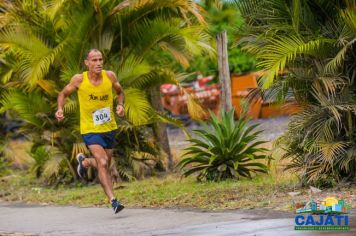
110,74
77,78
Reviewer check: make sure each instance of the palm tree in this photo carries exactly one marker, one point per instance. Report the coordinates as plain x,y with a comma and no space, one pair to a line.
42,46
304,49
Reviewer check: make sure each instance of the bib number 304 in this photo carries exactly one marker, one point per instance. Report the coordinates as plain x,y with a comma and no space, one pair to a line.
101,116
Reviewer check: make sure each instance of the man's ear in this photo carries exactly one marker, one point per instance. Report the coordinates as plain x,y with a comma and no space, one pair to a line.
86,62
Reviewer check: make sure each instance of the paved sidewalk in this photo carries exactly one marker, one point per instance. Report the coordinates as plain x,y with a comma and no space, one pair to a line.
19,219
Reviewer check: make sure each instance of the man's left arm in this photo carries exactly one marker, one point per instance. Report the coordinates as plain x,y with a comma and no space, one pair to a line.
120,96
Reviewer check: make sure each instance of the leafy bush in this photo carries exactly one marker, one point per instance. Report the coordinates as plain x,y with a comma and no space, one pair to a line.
321,146
50,163
137,154
229,149
4,166
312,54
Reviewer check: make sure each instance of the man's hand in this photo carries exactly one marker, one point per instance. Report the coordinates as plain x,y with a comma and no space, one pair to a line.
59,115
120,110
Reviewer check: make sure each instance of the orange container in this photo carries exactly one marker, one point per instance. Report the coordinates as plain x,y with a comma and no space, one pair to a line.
240,86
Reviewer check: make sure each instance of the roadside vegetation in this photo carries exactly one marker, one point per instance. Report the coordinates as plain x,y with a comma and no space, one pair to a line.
309,53
167,192
274,191
228,149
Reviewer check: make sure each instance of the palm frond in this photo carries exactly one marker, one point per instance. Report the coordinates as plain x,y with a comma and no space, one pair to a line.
54,8
79,148
32,108
195,109
52,167
171,8
71,106
137,108
284,50
330,150
337,61
348,15
36,56
169,120
131,68
122,5
151,32
48,86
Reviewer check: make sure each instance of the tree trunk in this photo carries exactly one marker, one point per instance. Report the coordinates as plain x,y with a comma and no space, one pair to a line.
224,72
159,128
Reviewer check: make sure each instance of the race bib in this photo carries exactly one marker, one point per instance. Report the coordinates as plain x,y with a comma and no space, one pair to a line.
101,116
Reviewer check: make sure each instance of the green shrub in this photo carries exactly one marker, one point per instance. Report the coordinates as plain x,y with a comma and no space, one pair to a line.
229,149
4,167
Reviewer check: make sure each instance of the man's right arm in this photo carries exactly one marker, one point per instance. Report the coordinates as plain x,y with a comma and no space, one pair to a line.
68,89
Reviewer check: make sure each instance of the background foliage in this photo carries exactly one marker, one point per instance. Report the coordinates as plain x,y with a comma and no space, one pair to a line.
306,50
43,43
225,149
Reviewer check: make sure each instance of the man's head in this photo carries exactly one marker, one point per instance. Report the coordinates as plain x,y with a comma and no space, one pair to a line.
94,61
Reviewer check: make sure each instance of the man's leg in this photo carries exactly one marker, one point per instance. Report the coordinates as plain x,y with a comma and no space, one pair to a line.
102,162
112,166
109,153
90,162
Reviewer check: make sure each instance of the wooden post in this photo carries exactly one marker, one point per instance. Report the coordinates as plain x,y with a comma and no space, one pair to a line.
160,128
224,72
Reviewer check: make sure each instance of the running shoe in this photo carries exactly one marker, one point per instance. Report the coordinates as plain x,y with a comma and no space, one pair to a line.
81,170
116,205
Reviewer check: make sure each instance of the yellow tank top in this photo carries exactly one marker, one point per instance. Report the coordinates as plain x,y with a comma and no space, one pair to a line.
96,106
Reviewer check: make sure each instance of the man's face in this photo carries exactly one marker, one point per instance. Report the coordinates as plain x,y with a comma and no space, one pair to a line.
94,62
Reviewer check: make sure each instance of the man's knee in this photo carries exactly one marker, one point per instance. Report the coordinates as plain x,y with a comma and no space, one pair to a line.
103,162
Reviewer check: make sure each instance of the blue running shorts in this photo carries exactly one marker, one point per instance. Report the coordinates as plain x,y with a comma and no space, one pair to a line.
106,140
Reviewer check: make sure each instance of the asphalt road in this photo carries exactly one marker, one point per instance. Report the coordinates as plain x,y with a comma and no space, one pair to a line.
20,219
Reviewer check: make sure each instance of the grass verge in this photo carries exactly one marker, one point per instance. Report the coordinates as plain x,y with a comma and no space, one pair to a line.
166,192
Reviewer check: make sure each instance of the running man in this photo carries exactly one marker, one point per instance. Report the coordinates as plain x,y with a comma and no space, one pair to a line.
97,120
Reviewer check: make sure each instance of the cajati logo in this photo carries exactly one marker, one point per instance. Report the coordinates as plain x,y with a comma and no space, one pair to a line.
327,214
